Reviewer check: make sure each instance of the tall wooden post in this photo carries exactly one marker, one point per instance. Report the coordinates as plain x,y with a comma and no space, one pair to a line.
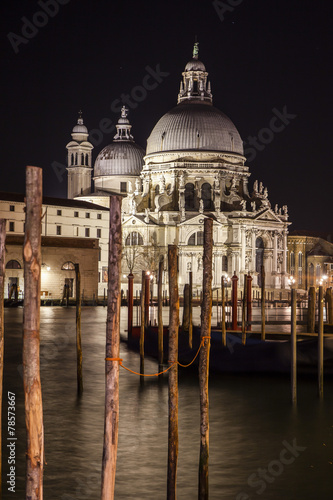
142,325
147,282
263,304
173,373
31,323
2,283
78,331
130,307
321,342
244,304
186,308
160,315
329,306
293,339
249,302
206,317
311,309
224,333
234,281
111,418
190,328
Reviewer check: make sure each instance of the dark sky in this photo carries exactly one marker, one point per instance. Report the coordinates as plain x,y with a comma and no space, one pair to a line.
261,55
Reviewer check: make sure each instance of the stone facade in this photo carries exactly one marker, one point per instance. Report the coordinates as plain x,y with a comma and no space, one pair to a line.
194,168
310,260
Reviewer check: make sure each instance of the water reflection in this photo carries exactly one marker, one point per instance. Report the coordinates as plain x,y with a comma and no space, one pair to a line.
250,417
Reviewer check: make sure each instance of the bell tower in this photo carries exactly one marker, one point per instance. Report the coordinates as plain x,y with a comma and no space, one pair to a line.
79,161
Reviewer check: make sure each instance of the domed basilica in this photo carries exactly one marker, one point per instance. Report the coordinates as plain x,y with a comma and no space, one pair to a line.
194,167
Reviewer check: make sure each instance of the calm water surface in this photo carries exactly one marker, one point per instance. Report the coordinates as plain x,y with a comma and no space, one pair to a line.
251,419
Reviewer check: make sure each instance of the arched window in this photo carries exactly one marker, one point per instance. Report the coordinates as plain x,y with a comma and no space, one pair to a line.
318,271
13,264
196,239
259,257
134,238
224,264
311,274
157,189
292,261
206,195
82,159
68,266
300,260
75,158
87,159
189,196
72,159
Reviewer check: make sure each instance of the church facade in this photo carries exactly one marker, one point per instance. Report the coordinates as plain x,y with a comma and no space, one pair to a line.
193,168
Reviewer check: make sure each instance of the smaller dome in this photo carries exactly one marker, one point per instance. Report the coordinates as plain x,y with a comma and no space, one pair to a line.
120,158
195,65
79,127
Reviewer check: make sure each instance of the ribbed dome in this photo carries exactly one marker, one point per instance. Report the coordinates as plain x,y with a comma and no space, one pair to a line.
194,126
195,65
80,128
119,158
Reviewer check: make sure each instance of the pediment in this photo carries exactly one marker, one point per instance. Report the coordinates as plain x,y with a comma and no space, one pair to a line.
267,215
133,220
198,219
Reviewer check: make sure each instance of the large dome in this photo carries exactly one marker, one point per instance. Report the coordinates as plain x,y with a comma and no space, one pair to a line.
194,126
119,158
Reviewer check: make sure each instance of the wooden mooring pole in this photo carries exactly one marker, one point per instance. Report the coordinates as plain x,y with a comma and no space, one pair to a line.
206,317
244,304
263,304
2,283
173,372
321,342
293,340
31,339
311,320
224,332
249,302
78,331
186,308
329,306
160,315
130,278
234,301
142,325
190,326
111,419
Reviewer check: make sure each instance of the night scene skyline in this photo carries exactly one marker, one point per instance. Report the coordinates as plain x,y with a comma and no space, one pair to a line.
268,63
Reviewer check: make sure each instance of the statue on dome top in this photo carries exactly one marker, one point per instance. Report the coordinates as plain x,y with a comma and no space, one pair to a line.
124,112
196,50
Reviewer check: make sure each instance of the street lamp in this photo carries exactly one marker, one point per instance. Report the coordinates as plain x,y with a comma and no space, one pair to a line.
291,281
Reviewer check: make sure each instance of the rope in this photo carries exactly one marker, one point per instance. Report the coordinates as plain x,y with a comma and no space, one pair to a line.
120,361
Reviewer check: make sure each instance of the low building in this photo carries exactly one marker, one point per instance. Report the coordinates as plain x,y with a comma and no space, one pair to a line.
310,259
72,231
59,256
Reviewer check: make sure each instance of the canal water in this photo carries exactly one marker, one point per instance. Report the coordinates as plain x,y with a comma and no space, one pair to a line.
260,447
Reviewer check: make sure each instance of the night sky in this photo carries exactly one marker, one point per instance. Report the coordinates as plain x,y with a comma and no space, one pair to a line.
264,57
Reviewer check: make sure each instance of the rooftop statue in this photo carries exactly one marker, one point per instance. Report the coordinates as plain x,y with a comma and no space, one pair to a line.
196,50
